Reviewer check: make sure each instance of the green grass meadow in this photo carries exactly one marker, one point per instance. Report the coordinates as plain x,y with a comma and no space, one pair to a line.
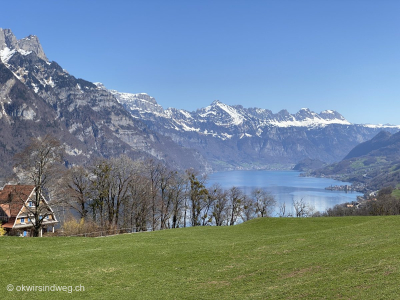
270,258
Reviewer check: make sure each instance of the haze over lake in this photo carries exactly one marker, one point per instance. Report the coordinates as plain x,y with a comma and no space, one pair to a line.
286,186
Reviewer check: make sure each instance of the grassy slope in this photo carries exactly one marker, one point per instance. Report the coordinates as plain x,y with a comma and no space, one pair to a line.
341,258
396,193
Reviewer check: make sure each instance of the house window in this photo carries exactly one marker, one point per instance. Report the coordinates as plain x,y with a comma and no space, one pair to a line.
22,220
29,220
30,204
47,217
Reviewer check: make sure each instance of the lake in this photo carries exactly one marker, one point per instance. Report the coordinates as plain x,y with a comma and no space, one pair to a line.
286,186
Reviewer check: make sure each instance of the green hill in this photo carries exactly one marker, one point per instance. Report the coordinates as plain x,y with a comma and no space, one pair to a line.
271,258
374,163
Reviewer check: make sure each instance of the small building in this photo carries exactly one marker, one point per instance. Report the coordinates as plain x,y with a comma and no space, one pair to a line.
17,210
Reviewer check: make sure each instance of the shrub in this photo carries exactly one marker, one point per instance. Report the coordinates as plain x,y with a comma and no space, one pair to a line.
74,227
2,231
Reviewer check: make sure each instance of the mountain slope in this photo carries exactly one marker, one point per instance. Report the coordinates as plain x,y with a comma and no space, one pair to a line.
375,163
24,115
89,113
378,142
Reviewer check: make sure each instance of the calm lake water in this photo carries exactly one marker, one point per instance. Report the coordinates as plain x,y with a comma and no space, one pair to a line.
286,186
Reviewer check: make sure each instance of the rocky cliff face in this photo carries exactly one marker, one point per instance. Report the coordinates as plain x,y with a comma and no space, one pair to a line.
9,44
25,115
87,112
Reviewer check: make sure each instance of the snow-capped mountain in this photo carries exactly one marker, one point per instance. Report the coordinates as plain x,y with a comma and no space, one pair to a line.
238,137
94,121
38,96
223,116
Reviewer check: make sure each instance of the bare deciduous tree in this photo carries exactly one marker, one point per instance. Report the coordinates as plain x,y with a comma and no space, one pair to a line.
197,195
139,202
166,180
40,163
264,202
206,214
302,209
153,169
235,198
282,210
76,190
249,208
122,172
100,189
178,190
220,205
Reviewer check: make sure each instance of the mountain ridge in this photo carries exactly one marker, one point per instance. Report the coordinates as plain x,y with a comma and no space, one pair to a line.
109,123
304,117
237,137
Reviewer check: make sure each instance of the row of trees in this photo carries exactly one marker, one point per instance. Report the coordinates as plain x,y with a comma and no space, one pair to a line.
145,195
120,192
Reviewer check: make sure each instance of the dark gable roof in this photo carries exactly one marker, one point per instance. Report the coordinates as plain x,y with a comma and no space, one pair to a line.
10,223
13,197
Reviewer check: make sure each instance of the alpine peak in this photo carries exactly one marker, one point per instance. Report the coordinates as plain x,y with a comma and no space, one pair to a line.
9,45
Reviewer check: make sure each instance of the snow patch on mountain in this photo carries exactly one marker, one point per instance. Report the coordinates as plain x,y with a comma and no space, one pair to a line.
35,88
187,128
235,116
142,103
383,126
226,136
186,114
100,86
316,121
6,54
208,112
24,52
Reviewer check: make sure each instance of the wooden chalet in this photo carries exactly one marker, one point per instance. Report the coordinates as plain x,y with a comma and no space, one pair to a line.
17,208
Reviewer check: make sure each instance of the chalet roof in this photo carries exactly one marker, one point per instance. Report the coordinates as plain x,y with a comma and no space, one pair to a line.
13,197
10,223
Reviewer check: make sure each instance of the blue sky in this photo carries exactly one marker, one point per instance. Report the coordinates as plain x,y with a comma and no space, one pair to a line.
287,54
